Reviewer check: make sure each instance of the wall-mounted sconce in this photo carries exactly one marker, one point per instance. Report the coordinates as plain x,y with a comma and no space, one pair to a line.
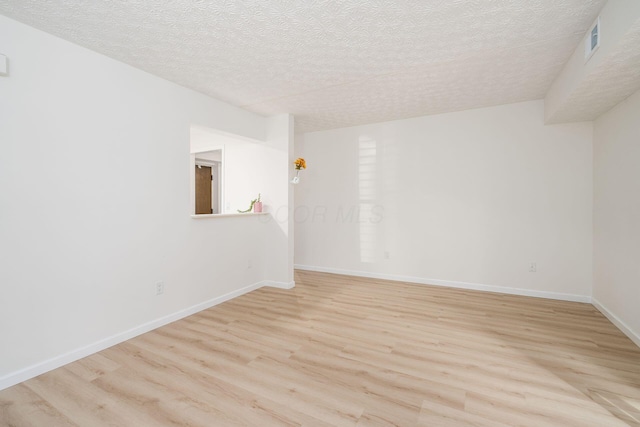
300,164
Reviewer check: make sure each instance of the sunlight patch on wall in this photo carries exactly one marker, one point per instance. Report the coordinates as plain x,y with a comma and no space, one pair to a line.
367,158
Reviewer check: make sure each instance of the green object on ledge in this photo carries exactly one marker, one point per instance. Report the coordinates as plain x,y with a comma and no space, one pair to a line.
253,202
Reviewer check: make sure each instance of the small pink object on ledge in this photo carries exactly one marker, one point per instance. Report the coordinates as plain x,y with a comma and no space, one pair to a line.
257,207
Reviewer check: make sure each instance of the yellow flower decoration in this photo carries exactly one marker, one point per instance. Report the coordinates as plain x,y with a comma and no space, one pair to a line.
300,163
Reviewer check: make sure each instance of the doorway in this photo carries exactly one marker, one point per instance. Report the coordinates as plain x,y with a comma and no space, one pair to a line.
208,183
203,190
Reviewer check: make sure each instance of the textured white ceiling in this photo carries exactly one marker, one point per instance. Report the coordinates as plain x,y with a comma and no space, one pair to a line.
332,63
613,80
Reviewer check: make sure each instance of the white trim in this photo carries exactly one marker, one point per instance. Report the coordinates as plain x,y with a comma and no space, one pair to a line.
280,285
451,284
206,162
633,336
73,355
624,328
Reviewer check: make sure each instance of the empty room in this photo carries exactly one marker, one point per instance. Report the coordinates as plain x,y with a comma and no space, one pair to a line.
320,213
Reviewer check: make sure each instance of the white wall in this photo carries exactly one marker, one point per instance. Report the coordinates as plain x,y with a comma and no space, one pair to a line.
279,152
95,204
464,199
261,167
616,288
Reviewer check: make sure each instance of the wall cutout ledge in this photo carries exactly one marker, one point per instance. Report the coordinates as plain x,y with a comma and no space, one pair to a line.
224,215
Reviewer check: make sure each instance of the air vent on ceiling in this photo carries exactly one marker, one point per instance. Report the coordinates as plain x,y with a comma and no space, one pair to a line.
592,42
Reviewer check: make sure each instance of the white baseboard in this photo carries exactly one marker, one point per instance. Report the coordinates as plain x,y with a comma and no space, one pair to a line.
450,284
633,336
280,285
71,356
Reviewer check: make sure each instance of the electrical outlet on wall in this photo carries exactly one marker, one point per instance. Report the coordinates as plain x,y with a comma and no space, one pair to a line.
386,255
533,267
159,288
249,264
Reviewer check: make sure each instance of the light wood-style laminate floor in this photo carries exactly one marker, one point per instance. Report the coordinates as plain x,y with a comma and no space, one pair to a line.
345,351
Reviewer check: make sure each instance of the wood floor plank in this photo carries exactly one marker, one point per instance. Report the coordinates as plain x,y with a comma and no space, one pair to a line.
23,407
350,351
92,367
